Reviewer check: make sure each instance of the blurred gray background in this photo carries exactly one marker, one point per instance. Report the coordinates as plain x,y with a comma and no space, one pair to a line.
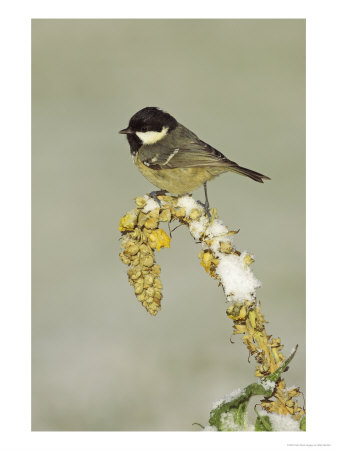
99,360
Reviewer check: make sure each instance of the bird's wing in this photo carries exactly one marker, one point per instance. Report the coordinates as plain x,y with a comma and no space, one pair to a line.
183,153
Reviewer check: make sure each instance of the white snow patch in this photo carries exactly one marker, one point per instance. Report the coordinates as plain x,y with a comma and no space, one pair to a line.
228,422
188,203
238,280
229,397
267,384
279,422
216,228
217,403
233,395
151,204
216,243
197,227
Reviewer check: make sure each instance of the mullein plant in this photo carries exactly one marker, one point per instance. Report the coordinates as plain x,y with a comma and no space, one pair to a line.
141,237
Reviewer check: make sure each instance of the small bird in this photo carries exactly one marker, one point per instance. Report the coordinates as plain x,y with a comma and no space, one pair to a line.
173,158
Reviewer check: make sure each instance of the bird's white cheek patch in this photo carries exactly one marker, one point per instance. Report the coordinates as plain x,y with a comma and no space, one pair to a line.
151,137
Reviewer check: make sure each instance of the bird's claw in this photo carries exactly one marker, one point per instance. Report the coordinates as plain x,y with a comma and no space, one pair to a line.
154,195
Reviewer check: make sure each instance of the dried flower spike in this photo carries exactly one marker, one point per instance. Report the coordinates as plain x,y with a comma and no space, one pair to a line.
220,259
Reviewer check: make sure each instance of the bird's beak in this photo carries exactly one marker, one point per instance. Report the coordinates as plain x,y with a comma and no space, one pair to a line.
126,131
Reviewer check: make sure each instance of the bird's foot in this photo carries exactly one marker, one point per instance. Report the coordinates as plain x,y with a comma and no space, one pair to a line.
154,195
206,208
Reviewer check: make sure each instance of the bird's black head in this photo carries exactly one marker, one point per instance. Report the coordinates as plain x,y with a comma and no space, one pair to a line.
148,126
150,119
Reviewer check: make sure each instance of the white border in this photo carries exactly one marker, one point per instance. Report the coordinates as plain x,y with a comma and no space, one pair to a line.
15,224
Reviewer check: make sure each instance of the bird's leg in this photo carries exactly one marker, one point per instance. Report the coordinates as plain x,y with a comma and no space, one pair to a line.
154,195
206,204
206,198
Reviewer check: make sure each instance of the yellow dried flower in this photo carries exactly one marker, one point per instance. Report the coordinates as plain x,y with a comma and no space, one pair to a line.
131,248
284,403
226,247
236,311
248,259
142,218
151,223
160,239
156,269
148,280
138,287
140,202
180,212
230,233
147,261
124,258
165,215
134,273
128,222
152,220
206,259
195,214
141,237
209,262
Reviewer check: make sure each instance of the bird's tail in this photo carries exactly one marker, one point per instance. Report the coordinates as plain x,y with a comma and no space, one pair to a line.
248,173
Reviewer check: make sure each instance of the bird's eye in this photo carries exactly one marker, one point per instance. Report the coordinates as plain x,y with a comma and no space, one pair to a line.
144,129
